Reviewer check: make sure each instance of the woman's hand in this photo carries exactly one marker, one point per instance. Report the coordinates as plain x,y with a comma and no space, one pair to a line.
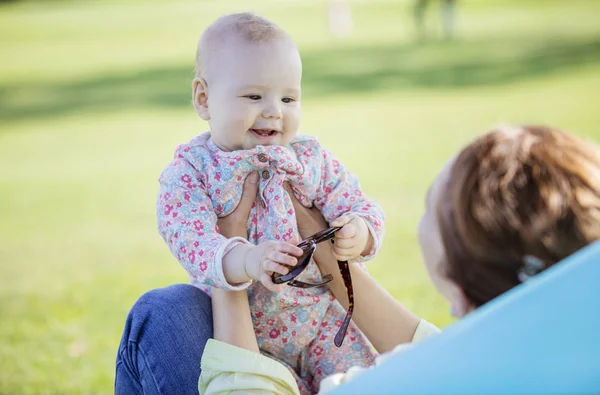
310,220
236,223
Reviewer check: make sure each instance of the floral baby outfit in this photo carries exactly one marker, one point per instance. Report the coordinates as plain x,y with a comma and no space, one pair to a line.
296,326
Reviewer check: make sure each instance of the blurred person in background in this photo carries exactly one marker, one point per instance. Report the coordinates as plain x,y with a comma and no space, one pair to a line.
339,16
448,11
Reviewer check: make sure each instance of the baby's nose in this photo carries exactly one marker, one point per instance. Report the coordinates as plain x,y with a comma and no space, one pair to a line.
272,111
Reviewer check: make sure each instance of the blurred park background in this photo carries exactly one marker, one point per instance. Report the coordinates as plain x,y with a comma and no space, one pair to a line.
95,95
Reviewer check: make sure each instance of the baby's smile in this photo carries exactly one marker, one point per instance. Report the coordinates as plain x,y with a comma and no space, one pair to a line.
264,135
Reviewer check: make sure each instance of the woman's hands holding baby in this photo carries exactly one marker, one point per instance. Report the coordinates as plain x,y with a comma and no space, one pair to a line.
247,262
352,240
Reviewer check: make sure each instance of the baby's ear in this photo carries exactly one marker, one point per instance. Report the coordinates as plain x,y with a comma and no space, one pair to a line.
200,97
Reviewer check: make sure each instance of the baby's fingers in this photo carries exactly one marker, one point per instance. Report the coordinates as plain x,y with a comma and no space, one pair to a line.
274,267
289,249
344,254
267,281
343,244
342,221
280,257
347,232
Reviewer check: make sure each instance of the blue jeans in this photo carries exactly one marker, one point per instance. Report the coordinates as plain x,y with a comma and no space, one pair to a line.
163,341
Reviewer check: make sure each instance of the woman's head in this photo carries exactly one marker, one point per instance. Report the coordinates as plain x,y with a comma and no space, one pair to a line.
513,195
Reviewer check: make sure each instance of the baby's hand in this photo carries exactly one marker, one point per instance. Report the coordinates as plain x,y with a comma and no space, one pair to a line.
271,257
353,239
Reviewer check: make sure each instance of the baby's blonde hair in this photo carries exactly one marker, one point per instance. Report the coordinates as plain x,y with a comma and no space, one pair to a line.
245,25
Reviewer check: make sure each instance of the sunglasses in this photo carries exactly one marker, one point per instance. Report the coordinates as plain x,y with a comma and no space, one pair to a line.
308,247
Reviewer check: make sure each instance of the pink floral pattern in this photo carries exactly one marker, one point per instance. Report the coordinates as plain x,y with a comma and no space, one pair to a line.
203,183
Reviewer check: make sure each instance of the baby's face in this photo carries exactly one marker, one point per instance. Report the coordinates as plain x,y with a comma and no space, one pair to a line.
254,94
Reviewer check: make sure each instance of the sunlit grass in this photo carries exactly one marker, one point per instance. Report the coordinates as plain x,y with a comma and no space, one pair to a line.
94,98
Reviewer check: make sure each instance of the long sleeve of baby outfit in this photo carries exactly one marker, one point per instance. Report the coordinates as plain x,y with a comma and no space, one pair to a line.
188,224
339,194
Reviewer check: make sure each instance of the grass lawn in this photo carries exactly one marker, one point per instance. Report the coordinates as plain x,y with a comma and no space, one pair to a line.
94,97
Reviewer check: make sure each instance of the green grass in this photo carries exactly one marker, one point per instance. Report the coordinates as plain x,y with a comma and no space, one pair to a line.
94,96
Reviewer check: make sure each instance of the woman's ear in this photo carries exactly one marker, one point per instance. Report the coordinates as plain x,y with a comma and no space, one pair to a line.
460,304
200,97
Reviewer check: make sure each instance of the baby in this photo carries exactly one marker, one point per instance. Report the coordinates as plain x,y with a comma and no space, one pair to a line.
247,86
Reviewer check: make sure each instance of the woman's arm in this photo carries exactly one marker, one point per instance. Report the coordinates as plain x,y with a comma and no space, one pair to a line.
232,322
384,320
233,363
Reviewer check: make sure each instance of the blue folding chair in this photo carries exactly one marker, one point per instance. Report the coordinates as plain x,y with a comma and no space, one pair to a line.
542,337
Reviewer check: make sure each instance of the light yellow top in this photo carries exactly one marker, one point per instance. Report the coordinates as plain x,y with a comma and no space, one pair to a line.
227,369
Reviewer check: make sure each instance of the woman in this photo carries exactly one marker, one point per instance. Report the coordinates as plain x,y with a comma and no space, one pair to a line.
511,204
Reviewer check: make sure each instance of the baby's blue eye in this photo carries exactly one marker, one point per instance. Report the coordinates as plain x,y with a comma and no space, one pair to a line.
287,100
253,97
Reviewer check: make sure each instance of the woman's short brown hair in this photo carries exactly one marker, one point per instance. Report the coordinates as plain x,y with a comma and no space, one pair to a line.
516,192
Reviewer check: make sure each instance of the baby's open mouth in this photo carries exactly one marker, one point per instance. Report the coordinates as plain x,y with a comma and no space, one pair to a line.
264,132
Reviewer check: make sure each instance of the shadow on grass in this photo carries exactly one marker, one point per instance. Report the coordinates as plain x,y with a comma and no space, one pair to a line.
338,71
